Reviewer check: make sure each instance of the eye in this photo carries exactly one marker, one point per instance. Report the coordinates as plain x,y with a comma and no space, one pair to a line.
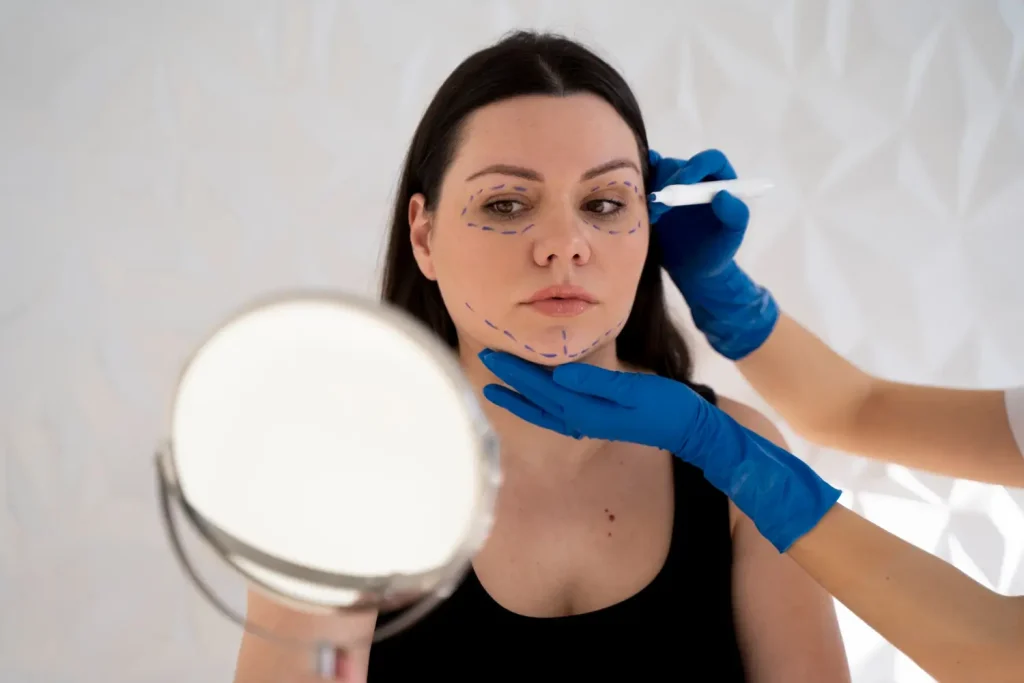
505,207
604,207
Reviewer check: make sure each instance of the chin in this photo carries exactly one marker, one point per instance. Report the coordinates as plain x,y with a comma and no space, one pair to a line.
549,342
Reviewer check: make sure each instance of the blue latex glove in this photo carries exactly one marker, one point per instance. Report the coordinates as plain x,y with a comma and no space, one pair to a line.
698,245
778,491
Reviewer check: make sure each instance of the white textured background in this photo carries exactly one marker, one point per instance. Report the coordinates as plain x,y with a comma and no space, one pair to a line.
163,162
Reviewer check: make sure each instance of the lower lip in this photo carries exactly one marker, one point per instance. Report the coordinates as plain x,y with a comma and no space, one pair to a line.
561,308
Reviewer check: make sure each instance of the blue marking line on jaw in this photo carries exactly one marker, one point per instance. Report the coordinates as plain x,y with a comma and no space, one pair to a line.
564,333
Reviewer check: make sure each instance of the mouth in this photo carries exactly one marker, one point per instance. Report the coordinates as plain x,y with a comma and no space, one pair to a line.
561,301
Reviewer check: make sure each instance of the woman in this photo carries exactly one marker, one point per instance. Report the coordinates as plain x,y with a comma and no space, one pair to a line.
954,628
521,224
976,435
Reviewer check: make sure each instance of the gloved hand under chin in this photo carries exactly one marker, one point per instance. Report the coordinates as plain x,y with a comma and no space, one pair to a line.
778,491
698,245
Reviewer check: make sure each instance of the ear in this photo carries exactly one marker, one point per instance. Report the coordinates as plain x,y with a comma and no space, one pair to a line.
420,232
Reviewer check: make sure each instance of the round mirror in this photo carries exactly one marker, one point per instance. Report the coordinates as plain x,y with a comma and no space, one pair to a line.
329,451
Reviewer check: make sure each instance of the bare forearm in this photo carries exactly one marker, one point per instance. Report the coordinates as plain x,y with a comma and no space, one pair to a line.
831,402
954,628
956,432
267,661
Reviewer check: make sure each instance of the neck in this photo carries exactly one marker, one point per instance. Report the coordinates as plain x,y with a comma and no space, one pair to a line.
524,445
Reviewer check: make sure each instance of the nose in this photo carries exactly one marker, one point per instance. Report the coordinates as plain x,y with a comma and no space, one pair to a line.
561,242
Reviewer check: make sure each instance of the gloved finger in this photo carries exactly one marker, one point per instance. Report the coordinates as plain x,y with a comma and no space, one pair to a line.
661,169
655,210
731,211
515,403
618,387
532,381
710,164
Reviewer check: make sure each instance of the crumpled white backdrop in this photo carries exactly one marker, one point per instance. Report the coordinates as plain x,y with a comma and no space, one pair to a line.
163,162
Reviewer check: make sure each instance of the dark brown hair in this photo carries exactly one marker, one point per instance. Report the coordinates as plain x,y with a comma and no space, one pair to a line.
523,63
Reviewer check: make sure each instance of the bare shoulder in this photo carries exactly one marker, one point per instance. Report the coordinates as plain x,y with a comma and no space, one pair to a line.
753,419
757,422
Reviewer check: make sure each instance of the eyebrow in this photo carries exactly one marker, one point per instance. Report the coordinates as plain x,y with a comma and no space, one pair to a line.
530,174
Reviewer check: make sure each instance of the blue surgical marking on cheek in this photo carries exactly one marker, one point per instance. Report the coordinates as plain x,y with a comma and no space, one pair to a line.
565,349
563,335
472,225
610,184
519,188
498,187
613,232
469,307
627,183
464,209
508,232
509,335
595,188
595,226
487,228
527,227
490,324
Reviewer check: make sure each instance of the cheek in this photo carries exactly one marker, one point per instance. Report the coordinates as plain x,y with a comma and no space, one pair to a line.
622,260
472,266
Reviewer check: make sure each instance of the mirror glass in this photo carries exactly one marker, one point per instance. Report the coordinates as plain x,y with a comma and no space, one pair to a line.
334,436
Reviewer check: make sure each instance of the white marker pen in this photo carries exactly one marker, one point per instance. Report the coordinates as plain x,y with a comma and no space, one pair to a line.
702,193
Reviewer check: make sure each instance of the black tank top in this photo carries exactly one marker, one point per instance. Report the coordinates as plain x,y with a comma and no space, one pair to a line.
679,627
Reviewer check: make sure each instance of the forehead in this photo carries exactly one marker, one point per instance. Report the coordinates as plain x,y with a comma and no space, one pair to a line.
553,135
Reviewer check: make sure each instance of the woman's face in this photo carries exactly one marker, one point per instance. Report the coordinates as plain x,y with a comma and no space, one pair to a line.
540,232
